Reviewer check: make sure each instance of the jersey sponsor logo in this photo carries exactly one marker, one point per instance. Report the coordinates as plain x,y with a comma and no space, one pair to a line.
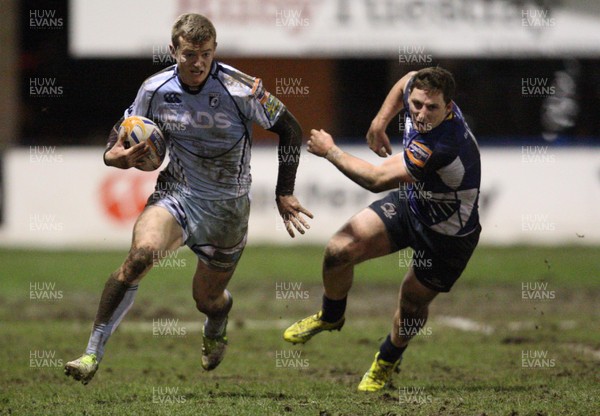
197,119
418,153
272,106
214,99
389,209
172,98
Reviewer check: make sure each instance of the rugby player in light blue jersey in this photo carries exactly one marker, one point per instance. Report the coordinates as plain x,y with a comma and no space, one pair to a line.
206,110
433,211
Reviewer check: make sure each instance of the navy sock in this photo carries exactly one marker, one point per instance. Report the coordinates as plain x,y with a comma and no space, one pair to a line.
389,352
333,310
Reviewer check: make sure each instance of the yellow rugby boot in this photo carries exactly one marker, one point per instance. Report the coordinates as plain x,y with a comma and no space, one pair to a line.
378,375
83,368
306,328
213,350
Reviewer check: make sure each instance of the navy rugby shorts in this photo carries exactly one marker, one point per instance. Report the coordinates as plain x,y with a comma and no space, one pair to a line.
438,260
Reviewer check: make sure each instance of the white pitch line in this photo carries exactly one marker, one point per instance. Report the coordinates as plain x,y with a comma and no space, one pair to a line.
469,325
456,322
196,326
148,326
464,324
584,349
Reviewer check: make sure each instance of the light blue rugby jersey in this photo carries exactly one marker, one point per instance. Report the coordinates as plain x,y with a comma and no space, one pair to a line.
209,132
446,166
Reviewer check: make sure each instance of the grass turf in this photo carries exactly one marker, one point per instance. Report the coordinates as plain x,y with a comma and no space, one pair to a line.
446,371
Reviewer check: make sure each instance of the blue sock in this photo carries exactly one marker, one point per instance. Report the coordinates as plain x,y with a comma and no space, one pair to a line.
389,352
333,310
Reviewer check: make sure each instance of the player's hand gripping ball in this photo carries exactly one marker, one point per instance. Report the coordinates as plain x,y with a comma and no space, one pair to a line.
139,129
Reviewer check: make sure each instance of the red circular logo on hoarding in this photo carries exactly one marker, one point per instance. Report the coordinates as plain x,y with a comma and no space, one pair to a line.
123,195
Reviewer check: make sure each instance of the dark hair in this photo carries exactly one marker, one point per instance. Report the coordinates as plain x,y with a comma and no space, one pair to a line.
435,79
193,27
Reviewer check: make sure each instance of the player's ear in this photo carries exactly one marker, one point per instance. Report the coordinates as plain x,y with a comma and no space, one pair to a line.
173,51
449,107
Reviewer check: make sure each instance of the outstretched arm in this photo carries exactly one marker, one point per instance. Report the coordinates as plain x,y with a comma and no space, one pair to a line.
375,178
378,141
290,143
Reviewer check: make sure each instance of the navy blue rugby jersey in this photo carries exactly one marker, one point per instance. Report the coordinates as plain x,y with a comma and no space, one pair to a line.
208,131
445,165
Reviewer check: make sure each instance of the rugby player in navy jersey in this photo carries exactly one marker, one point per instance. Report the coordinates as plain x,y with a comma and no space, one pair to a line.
433,211
206,110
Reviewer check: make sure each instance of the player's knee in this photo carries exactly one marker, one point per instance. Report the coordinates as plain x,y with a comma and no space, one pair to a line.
338,252
411,305
138,261
408,308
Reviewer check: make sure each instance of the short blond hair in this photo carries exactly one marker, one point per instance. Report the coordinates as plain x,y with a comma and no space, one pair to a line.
194,28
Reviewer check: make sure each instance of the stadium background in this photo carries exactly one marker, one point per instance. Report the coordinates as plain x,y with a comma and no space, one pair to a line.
530,90
349,84
528,84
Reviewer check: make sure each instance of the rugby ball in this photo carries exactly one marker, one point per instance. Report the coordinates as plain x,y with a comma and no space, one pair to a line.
139,129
